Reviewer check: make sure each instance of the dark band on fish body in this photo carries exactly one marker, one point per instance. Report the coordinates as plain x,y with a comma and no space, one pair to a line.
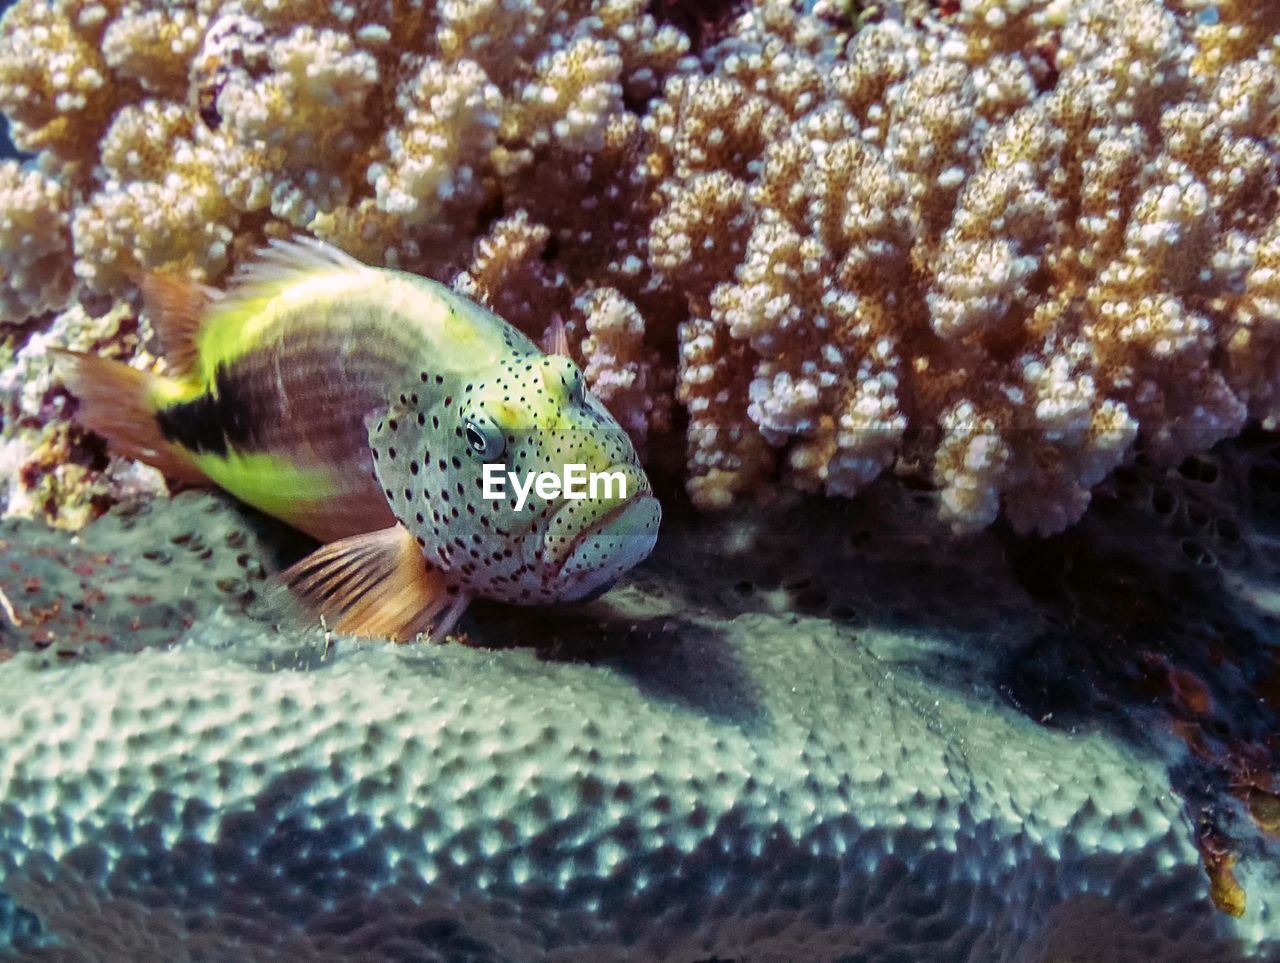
214,421
255,398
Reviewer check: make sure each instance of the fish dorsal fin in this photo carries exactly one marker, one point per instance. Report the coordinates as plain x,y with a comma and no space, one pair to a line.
279,263
178,308
555,339
376,585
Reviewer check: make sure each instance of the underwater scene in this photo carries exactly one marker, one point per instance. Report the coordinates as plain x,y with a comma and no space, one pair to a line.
594,481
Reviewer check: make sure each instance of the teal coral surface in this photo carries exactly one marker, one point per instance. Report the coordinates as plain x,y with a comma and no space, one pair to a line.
862,765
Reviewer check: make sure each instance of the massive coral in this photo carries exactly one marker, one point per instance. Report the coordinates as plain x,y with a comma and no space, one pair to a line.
995,246
692,771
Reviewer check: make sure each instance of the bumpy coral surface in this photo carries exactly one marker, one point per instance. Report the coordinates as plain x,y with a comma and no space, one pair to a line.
992,246
902,772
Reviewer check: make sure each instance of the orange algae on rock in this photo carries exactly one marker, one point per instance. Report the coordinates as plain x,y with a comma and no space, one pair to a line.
1225,890
993,246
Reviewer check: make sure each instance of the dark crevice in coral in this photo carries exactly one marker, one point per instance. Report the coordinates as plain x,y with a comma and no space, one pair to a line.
490,213
7,149
1152,640
704,21
1043,61
636,103
15,334
207,104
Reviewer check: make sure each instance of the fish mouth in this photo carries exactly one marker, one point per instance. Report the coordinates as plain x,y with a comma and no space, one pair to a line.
592,543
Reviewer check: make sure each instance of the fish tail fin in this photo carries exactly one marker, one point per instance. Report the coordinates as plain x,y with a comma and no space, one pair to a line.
115,402
376,585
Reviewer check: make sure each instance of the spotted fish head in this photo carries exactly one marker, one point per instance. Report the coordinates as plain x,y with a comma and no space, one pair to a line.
516,481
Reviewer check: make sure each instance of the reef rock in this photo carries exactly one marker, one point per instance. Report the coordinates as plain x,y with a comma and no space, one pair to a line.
782,743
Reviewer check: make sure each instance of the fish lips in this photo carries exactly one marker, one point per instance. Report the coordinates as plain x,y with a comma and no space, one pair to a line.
592,543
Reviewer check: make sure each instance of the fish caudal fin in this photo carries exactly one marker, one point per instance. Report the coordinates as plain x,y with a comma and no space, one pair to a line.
376,585
114,402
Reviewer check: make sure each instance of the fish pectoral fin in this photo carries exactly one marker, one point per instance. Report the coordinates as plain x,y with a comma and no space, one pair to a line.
376,585
177,308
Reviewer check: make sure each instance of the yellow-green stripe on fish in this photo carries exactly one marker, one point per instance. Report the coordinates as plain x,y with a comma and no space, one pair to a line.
362,405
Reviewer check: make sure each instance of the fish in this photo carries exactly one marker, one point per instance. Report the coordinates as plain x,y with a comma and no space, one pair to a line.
401,424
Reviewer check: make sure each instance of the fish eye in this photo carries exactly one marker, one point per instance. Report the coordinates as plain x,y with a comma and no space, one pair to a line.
484,438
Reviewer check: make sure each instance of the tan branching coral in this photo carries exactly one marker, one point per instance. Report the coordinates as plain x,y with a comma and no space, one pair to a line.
1065,214
154,47
450,116
993,245
622,372
35,242
508,273
55,85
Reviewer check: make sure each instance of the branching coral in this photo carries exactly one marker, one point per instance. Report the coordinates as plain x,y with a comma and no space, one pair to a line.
996,245
34,242
55,85
999,246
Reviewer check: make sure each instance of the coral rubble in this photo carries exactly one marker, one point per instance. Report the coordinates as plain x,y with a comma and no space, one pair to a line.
992,245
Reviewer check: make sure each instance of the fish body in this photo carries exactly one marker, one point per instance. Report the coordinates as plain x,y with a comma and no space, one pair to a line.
314,389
